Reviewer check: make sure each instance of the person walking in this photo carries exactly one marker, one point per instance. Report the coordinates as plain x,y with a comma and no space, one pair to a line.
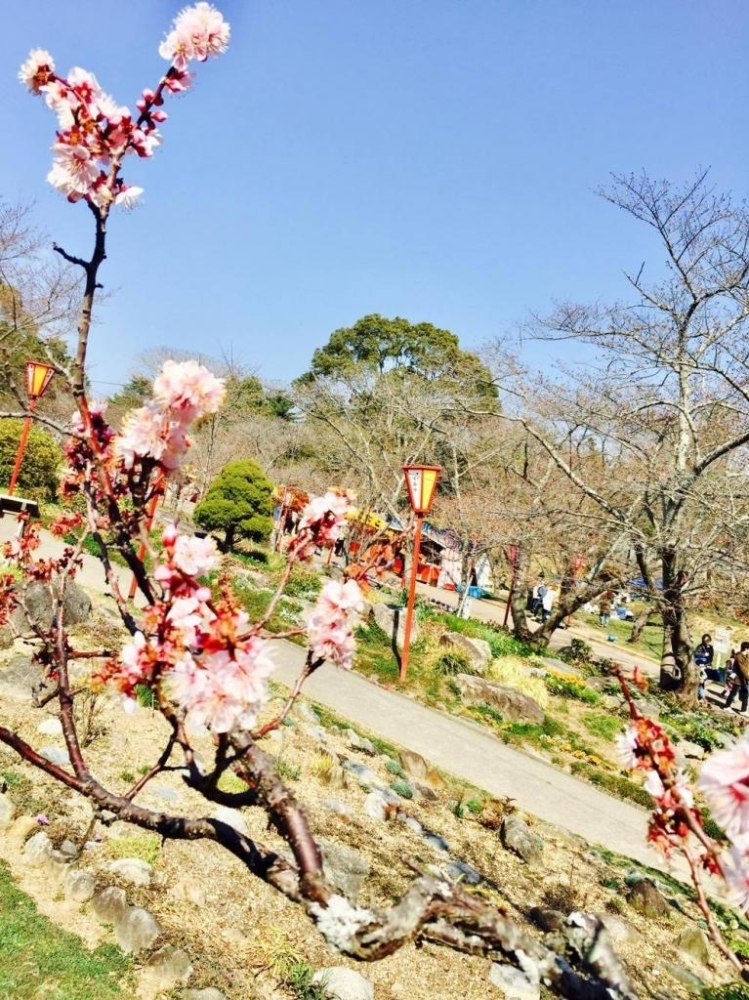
741,669
548,600
604,608
703,657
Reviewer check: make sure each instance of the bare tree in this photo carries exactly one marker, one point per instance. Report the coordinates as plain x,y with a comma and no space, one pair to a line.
665,409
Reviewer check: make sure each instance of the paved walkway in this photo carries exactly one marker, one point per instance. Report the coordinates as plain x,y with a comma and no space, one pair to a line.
455,745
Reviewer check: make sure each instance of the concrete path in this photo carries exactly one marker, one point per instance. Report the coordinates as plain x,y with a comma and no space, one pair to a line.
457,746
472,754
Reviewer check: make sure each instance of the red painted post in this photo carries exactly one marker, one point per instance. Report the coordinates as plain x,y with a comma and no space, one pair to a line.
21,447
411,598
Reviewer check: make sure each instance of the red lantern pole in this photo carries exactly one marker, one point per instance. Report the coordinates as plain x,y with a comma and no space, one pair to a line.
21,447
411,598
38,376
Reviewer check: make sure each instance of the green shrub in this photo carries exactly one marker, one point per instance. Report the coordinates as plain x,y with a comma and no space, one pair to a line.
239,503
578,651
39,475
303,583
402,788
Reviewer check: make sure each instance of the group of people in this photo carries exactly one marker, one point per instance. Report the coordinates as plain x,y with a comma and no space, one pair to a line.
736,672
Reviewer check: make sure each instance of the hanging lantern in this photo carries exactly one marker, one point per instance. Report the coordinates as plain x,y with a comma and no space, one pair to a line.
421,481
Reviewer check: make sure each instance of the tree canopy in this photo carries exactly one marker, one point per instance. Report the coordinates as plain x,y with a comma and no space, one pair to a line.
376,345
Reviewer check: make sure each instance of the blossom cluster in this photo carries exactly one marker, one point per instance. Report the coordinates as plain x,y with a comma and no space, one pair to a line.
200,654
329,631
646,746
183,393
94,132
320,524
724,781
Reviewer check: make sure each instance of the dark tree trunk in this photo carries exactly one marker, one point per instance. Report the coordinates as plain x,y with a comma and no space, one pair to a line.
519,596
678,672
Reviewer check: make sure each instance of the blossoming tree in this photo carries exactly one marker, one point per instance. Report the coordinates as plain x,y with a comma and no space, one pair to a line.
192,646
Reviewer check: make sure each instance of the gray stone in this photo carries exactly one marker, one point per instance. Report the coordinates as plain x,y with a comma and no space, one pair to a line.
341,983
362,772
232,817
358,742
37,850
547,919
171,966
68,848
55,755
19,678
132,870
436,841
137,930
413,764
478,651
337,807
50,727
207,994
109,905
621,930
165,792
685,977
517,836
7,811
79,885
465,873
646,899
392,621
692,751
303,710
376,805
693,942
511,704
346,868
40,606
514,984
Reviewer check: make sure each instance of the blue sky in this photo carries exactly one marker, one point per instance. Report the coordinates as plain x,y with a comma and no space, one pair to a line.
434,159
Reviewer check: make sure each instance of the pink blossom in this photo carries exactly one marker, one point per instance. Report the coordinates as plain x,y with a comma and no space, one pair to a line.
197,32
329,624
36,71
341,598
188,388
724,781
73,170
194,556
128,196
149,433
626,746
332,504
654,786
186,615
224,690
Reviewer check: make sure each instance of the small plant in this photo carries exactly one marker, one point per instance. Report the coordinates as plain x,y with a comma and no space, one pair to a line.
88,715
566,686
453,662
289,772
606,727
474,806
146,846
127,776
394,767
145,696
402,788
299,978
578,652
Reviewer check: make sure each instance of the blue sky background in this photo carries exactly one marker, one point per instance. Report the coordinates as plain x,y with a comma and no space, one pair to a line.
434,159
